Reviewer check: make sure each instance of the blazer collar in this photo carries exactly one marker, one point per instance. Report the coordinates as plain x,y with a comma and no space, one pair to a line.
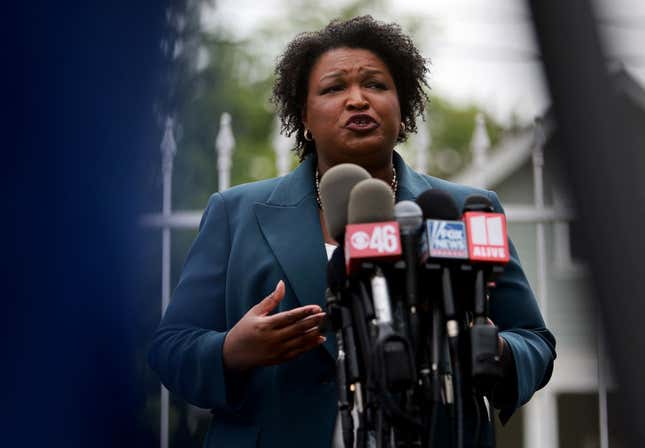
411,183
299,184
295,186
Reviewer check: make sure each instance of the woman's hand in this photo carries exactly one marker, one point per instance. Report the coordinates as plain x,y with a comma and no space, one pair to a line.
260,339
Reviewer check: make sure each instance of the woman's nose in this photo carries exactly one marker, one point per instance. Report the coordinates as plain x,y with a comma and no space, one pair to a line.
356,100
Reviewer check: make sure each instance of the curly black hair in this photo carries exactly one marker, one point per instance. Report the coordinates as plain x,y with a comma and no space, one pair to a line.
386,40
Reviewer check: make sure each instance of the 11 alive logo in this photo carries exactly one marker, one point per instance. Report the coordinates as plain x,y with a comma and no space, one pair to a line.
378,240
487,238
447,239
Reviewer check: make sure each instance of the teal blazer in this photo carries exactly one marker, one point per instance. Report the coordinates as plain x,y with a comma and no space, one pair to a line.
253,235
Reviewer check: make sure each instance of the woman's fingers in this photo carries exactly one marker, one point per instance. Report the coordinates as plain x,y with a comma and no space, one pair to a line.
301,344
300,327
271,301
287,318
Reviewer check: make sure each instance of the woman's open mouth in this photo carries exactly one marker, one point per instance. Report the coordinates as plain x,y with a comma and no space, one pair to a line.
361,123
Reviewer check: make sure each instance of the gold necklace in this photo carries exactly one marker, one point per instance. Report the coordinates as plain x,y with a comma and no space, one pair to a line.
394,185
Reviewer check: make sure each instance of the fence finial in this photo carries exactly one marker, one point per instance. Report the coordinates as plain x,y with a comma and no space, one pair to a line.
282,146
539,136
480,142
224,145
168,147
422,140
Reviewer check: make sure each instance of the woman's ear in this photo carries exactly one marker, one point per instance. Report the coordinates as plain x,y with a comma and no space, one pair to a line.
303,119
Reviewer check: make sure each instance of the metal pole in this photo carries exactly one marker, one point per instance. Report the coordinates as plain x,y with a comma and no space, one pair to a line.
168,151
224,144
538,199
540,415
602,386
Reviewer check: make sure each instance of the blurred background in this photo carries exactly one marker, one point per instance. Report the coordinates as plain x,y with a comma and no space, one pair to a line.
489,124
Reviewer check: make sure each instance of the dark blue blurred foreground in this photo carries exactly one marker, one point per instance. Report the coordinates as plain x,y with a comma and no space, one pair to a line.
82,83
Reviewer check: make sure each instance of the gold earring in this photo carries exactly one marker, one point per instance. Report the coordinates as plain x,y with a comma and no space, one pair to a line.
310,138
402,134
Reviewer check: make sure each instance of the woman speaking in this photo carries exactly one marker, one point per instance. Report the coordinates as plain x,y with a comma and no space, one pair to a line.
240,335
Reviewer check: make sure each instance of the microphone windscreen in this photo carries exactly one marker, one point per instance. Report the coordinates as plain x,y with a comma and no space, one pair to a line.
335,187
371,200
478,203
336,274
409,216
437,204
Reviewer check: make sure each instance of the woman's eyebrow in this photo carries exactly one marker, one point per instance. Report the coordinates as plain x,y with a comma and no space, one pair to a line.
371,71
363,70
334,74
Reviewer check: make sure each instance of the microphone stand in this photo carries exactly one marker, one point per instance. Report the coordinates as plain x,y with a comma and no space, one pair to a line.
345,401
452,331
485,368
361,313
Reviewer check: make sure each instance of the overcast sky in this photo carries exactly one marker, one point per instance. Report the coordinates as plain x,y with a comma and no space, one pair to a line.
482,51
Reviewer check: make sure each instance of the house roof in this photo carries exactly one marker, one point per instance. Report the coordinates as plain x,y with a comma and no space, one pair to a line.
510,153
516,148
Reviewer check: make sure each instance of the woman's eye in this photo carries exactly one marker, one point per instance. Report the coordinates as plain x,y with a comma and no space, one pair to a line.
331,89
377,85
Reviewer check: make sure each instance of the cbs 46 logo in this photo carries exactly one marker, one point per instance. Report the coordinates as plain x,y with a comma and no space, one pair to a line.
382,240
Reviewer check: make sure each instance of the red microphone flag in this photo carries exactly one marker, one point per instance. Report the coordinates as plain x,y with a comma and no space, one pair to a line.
487,237
371,241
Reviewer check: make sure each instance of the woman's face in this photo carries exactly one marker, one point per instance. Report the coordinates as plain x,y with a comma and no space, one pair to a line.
352,107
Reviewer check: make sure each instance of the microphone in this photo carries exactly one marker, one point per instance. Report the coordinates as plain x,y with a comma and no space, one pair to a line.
371,234
444,235
340,317
335,187
410,218
372,241
444,240
487,237
346,361
372,246
334,190
489,251
487,240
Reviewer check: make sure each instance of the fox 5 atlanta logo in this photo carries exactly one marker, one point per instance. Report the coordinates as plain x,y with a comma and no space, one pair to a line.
447,239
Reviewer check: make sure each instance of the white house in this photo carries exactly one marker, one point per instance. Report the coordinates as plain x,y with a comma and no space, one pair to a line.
574,409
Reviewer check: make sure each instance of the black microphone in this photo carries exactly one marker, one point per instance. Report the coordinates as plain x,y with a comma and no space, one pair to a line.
344,343
410,218
486,368
337,282
478,203
372,246
439,208
443,233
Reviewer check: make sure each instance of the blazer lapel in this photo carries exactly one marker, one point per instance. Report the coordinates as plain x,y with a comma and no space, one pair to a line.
295,237
290,223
